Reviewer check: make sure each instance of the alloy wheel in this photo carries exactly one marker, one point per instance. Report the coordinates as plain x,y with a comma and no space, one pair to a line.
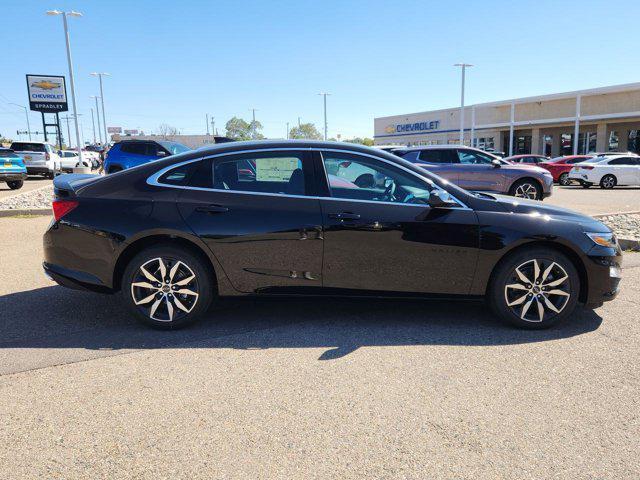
608,182
538,290
564,179
526,190
165,289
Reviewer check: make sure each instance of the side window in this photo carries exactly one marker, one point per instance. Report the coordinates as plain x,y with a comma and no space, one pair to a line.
179,175
435,156
362,178
136,148
469,157
268,172
622,161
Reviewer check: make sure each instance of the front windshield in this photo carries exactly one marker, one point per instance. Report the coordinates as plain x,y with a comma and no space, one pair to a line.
174,147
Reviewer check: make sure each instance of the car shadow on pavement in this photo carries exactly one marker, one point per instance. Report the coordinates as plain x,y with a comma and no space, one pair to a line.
54,317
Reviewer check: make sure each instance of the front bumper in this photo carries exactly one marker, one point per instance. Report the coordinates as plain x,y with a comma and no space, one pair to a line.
604,273
12,176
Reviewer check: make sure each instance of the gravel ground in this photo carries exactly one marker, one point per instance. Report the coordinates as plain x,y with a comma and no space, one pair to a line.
40,198
625,226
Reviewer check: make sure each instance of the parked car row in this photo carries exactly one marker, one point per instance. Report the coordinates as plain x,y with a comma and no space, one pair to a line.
41,158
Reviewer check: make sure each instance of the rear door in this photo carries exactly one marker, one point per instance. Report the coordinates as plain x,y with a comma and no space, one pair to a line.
442,162
624,169
382,236
258,214
477,172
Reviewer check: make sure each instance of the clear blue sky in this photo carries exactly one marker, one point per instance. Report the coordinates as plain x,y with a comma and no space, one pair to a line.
172,62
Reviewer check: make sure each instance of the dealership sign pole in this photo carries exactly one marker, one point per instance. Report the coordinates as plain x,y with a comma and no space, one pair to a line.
464,66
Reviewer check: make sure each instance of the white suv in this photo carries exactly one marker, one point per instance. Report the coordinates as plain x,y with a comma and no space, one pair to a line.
40,158
608,170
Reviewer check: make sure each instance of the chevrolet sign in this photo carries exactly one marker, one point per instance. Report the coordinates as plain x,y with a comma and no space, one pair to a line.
47,93
413,127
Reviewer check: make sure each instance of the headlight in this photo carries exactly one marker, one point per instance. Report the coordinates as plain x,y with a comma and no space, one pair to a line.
603,239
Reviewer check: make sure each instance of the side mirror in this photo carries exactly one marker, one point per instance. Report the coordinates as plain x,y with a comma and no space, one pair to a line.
441,199
496,163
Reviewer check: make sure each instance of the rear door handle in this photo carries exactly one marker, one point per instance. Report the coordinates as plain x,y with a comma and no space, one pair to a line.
212,209
344,216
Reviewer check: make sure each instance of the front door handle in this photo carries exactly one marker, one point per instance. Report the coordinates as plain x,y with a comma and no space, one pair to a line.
345,216
212,209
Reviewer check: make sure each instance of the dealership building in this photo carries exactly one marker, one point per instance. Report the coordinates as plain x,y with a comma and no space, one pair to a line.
600,119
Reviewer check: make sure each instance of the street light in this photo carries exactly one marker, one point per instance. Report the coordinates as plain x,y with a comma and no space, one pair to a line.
464,67
26,114
104,121
73,88
325,113
95,97
253,123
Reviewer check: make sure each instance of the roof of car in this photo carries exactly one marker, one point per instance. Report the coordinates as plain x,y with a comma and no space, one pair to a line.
525,155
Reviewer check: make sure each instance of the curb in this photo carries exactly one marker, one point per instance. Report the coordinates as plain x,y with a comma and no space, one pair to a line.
25,211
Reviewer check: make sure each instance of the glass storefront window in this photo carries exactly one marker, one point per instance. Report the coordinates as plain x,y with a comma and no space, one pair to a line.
586,143
547,144
566,144
613,141
522,144
634,141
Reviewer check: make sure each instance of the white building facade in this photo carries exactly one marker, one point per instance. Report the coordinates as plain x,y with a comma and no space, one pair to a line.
601,119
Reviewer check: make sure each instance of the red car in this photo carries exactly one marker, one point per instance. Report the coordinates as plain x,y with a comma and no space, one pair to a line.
532,160
560,166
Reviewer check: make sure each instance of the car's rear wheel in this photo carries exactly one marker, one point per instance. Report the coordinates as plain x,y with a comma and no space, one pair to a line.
167,287
534,288
526,188
564,179
608,181
15,184
586,184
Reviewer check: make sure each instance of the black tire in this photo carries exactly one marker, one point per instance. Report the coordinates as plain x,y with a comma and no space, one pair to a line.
528,187
564,179
608,182
507,302
50,175
15,184
586,184
170,305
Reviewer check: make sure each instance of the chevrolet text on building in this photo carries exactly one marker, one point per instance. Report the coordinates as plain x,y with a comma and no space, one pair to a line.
595,120
47,93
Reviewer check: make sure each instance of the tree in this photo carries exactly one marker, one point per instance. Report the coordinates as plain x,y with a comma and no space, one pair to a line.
167,130
362,141
306,131
239,129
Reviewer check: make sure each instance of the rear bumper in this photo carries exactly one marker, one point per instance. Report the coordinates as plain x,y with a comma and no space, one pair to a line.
74,279
38,170
12,176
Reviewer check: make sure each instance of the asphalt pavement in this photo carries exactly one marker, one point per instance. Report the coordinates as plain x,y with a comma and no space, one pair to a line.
309,388
596,200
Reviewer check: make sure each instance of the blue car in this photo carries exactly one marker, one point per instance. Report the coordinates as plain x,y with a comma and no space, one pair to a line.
131,153
12,169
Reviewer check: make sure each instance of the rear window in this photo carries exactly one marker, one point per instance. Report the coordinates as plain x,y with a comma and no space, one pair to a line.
7,153
27,147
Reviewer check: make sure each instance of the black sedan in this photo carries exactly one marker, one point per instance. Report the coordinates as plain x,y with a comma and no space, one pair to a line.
318,218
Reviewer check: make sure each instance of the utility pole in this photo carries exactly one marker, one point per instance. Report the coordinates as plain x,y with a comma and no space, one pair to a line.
324,94
213,126
66,117
93,125
298,122
104,121
464,67
287,130
207,122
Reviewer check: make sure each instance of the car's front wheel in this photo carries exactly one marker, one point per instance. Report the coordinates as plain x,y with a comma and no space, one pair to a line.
564,179
167,287
534,288
608,181
526,188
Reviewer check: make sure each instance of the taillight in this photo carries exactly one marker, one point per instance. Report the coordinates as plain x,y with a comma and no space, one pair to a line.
47,156
62,207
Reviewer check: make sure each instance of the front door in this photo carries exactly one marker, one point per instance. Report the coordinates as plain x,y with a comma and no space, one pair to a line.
381,235
477,172
257,214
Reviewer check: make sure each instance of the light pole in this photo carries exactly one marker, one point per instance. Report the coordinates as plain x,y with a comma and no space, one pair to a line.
66,118
73,87
464,67
93,125
104,121
26,114
324,94
96,97
253,123
287,130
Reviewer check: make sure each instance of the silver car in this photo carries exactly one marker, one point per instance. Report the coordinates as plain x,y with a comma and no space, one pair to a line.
473,169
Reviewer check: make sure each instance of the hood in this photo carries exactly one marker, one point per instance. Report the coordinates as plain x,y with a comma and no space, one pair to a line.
536,208
526,167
